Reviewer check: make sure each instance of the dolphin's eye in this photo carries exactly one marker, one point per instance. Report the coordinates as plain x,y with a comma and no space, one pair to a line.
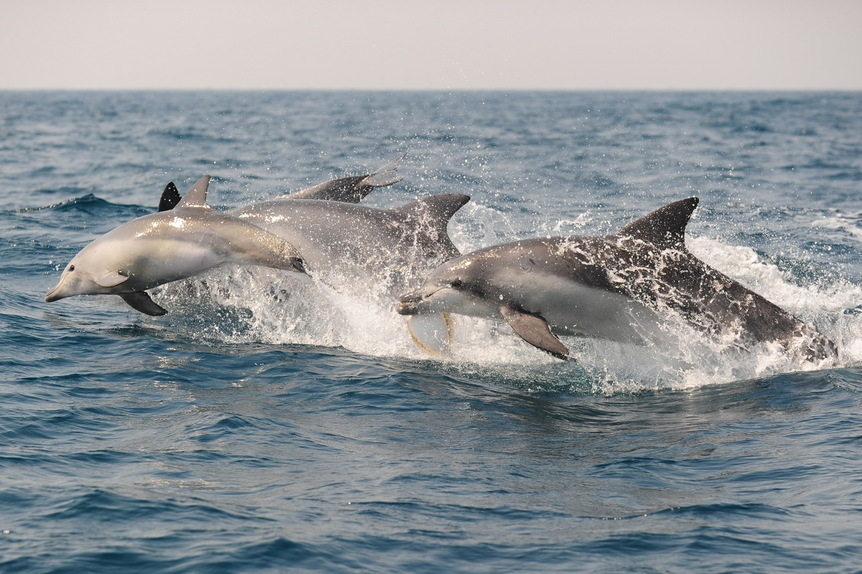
455,283
71,267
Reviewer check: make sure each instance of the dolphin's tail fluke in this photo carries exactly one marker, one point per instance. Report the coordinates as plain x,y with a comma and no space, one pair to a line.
351,189
386,175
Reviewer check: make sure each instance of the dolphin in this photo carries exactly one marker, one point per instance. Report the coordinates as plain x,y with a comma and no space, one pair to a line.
616,287
103,279
169,245
350,189
347,245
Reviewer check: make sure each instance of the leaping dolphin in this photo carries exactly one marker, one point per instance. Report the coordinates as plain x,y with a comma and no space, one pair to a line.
167,246
354,246
612,287
344,243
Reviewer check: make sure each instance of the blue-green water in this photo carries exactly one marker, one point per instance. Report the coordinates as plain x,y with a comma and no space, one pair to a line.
234,435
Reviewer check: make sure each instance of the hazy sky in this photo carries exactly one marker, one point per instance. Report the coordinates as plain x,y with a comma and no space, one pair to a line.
434,44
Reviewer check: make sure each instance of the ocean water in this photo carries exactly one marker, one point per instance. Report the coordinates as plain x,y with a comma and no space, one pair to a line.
247,433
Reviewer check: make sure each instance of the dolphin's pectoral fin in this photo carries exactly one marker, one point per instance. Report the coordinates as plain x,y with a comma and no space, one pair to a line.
110,279
263,248
170,197
140,301
534,330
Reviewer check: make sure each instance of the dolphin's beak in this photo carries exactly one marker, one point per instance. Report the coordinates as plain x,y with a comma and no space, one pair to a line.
58,292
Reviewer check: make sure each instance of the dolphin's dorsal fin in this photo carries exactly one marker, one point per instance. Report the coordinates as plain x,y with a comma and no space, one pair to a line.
431,215
664,227
441,207
197,195
351,189
534,330
170,197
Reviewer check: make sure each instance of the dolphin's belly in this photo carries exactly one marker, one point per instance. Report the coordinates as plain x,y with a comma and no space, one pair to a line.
160,262
572,308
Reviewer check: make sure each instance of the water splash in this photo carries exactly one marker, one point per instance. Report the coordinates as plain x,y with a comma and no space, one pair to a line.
246,305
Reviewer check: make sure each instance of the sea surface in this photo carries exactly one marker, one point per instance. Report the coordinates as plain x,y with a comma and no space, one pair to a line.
247,433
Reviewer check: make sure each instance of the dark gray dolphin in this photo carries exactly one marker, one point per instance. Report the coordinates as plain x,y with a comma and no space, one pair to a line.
615,287
167,246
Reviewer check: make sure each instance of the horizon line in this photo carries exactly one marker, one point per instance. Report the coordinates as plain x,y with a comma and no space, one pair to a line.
431,90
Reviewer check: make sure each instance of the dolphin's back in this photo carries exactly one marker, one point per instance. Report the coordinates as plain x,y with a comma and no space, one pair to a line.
650,256
722,306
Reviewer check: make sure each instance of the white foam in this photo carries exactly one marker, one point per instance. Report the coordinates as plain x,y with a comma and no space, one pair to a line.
839,221
243,305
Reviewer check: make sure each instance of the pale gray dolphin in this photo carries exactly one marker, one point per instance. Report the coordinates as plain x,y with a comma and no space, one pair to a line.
348,245
167,246
76,280
610,287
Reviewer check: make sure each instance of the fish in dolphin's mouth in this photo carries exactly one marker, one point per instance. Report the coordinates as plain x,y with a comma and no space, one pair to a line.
410,304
